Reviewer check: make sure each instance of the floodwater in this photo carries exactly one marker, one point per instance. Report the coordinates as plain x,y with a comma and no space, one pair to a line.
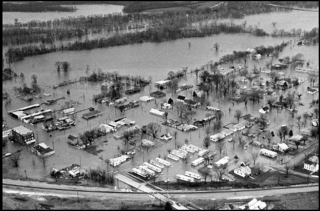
147,60
295,19
82,10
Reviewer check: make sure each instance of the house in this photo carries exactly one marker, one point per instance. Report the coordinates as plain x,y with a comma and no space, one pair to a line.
312,164
257,56
42,150
243,171
282,147
146,98
217,137
91,114
239,126
157,94
254,204
23,135
192,103
162,84
6,134
146,142
222,161
181,98
264,109
227,132
306,132
311,90
166,106
295,138
157,112
68,111
106,128
117,161
198,93
283,84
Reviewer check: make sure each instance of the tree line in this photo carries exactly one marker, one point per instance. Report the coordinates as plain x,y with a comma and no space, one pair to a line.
150,35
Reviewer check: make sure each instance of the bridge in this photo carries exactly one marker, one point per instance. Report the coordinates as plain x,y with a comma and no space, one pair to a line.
155,193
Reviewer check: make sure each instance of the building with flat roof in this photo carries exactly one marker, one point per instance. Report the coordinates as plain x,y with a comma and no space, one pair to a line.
42,150
23,135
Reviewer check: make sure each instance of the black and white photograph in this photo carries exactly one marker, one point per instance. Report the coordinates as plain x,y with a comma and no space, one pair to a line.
160,105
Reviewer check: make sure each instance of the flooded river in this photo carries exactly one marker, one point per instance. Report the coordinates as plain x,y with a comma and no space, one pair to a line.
147,60
82,10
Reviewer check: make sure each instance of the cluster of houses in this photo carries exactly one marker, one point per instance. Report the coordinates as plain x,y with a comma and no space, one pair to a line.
178,125
225,133
71,172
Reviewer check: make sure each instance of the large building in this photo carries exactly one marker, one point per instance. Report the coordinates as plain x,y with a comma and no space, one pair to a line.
23,135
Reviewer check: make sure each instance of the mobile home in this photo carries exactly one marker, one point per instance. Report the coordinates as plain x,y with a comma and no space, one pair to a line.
222,161
164,162
159,165
140,173
152,167
268,153
173,157
203,152
197,161
184,178
147,170
193,175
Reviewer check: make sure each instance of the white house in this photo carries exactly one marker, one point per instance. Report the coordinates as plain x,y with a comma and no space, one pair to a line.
243,171
222,161
282,147
312,164
157,112
217,137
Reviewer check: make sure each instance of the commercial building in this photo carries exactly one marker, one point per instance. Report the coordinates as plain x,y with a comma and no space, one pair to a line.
23,135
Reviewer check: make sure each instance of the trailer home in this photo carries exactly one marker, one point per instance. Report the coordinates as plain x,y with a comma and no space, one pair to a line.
268,153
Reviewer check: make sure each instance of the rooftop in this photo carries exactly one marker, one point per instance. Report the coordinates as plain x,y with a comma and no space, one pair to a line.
22,130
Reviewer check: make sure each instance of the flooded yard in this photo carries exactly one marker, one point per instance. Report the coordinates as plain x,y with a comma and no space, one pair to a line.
146,60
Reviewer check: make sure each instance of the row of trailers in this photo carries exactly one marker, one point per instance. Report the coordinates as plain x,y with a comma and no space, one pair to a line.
149,170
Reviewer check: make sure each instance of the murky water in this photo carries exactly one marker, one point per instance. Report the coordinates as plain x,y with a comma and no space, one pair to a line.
147,59
82,10
284,20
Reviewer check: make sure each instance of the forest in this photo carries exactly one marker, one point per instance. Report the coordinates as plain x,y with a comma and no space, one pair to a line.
58,30
151,35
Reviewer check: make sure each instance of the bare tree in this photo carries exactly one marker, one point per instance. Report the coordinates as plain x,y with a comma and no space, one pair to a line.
287,167
153,129
206,142
254,155
205,173
220,146
15,159
43,160
221,171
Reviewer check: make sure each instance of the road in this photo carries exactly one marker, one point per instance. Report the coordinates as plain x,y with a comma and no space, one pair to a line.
38,188
293,8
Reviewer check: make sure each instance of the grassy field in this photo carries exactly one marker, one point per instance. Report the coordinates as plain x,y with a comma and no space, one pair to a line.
303,201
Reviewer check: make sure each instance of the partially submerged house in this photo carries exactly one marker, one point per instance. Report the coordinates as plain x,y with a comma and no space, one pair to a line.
181,98
157,112
157,94
42,150
162,84
191,103
91,114
23,135
146,98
